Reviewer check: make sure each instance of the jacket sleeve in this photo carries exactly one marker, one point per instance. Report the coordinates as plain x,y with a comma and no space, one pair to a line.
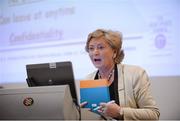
146,105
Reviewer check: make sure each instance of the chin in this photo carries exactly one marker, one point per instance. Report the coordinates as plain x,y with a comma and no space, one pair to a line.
98,66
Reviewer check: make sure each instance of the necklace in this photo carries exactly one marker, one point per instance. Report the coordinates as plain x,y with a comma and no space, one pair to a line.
109,76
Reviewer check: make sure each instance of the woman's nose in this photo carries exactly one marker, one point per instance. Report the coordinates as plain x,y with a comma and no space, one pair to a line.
96,51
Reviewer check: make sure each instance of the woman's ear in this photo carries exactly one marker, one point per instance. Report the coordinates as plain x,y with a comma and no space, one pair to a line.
114,55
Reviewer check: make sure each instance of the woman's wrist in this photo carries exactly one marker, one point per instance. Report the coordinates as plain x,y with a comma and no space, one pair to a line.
121,112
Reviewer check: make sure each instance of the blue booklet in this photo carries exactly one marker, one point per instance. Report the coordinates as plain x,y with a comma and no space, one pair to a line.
94,92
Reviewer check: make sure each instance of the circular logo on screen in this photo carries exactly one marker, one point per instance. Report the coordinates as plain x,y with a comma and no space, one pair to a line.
160,41
28,101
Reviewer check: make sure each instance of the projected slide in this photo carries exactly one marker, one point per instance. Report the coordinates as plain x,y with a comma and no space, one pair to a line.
38,31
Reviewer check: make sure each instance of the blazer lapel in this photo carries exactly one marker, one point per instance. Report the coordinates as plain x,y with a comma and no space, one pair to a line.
121,85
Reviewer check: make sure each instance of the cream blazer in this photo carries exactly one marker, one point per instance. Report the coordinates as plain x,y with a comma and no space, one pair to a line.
134,93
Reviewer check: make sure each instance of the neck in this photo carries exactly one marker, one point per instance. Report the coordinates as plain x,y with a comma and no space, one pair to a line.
106,73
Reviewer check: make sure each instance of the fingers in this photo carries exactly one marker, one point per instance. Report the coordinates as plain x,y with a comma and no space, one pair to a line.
103,104
102,107
83,104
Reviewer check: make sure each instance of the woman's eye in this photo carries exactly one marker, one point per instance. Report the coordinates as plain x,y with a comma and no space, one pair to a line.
90,48
101,47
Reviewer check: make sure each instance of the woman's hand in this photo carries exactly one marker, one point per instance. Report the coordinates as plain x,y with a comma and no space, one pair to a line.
110,109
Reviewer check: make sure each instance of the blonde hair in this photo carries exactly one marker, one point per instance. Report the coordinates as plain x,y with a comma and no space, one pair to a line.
113,38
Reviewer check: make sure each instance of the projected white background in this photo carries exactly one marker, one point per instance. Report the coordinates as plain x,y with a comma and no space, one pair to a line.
38,31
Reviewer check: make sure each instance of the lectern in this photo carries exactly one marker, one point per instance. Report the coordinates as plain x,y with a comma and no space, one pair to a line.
38,103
